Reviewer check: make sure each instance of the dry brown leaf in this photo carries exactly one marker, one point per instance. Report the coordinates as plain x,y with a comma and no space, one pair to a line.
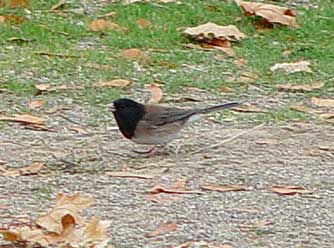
34,168
327,116
156,93
128,175
223,188
94,230
302,87
109,14
225,89
209,31
305,109
25,119
65,213
162,229
135,54
299,66
11,19
272,13
103,25
112,83
37,103
14,3
159,189
259,224
58,5
143,23
77,129
321,102
248,109
25,234
290,190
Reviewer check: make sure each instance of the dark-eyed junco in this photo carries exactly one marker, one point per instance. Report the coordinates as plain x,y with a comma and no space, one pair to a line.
152,124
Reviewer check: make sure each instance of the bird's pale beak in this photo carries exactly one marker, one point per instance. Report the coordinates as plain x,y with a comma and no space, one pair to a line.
111,107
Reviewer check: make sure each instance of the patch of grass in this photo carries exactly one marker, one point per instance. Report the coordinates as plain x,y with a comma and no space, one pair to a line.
171,64
19,88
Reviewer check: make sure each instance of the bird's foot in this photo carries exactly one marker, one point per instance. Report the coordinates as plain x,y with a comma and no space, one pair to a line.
150,151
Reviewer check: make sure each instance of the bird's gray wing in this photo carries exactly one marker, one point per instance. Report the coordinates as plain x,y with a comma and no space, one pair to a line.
158,116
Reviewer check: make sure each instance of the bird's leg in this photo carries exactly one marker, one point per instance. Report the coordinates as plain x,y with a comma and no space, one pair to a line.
152,150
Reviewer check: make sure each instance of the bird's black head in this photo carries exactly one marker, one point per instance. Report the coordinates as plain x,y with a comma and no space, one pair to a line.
127,114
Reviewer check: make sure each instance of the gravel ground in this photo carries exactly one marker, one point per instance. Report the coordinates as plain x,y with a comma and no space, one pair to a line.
278,154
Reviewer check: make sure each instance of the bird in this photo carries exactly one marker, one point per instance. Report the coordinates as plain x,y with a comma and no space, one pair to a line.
153,124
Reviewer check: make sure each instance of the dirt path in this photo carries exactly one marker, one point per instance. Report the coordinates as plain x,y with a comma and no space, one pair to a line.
281,154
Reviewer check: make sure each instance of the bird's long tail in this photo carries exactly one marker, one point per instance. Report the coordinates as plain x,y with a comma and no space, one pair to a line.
217,107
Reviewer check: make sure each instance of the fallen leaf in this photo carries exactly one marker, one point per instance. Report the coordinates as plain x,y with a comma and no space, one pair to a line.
103,25
290,190
58,5
156,93
159,189
112,83
299,66
248,109
94,230
37,103
209,31
225,89
142,23
109,14
321,102
128,175
259,224
11,19
25,119
327,116
304,109
25,234
14,3
272,13
162,229
77,129
223,188
135,54
247,77
65,213
34,168
302,87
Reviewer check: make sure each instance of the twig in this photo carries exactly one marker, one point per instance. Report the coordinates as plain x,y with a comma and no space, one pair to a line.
228,140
